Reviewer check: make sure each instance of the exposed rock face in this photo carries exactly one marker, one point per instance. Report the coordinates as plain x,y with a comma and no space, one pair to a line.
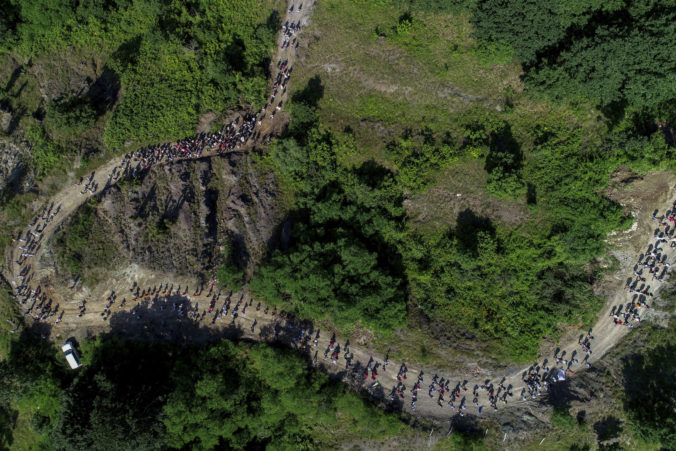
13,156
184,217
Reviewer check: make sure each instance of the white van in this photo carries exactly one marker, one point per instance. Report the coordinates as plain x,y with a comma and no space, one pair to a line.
71,355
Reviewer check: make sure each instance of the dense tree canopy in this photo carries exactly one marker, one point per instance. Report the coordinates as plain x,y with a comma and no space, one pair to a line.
353,255
136,395
614,53
341,263
650,387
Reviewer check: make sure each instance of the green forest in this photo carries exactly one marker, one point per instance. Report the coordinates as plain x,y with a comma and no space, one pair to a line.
141,396
356,258
526,107
612,54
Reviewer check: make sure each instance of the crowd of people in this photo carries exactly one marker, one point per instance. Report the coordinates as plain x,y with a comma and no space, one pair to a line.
456,397
39,306
653,263
182,302
37,303
537,379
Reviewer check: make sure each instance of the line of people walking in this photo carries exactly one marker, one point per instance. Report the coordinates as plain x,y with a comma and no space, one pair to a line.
243,130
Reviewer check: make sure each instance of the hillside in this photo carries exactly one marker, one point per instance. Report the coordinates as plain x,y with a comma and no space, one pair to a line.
315,211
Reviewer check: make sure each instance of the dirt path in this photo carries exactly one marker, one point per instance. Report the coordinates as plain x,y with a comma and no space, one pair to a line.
66,201
141,318
147,320
274,119
146,314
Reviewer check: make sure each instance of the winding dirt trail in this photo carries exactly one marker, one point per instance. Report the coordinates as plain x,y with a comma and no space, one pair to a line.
146,314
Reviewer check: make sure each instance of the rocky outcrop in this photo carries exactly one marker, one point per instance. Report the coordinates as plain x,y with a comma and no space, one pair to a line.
188,216
13,167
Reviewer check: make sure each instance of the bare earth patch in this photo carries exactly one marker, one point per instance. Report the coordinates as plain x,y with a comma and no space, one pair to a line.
458,188
206,121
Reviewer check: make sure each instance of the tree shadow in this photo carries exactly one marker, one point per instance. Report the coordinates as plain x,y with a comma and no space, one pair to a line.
373,174
531,194
608,428
30,359
469,428
14,121
614,111
8,419
669,135
561,394
581,417
127,53
268,33
304,110
311,94
234,55
27,353
118,397
148,203
469,226
649,391
240,254
161,322
103,92
504,152
211,219
16,73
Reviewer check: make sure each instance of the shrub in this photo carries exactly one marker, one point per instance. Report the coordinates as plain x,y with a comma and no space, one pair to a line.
230,275
562,419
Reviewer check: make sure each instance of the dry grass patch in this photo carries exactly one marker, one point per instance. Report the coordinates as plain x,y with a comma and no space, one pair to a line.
381,78
457,188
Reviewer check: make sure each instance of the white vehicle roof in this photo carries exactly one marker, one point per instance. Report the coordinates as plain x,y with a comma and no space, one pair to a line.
72,361
71,355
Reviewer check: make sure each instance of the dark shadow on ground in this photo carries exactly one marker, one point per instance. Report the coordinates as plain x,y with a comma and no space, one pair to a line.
505,152
649,389
608,428
311,94
561,395
468,228
30,360
304,110
161,322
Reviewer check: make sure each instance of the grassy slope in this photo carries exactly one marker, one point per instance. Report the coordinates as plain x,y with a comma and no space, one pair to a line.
408,77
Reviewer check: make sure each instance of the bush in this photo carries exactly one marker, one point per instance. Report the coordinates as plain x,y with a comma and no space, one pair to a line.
84,244
70,117
562,419
230,275
287,404
174,60
351,245
47,155
650,387
341,262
